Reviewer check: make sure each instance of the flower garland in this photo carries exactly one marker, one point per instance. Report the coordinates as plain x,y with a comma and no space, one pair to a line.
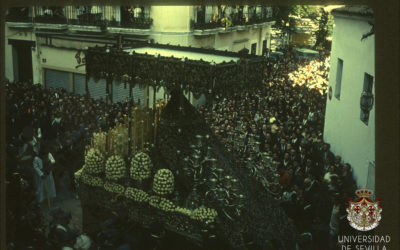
206,215
154,201
166,205
92,180
114,187
184,211
137,195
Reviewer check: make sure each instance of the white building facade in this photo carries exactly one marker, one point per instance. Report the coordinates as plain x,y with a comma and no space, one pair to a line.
46,44
349,128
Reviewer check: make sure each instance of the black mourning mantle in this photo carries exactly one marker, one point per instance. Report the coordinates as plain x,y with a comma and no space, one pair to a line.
197,76
262,219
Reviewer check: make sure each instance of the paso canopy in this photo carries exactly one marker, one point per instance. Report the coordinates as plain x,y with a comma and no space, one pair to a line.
201,71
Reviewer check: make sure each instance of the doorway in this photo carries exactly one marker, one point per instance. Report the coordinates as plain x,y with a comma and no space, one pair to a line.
22,59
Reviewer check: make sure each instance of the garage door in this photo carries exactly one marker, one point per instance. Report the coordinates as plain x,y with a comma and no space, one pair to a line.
57,79
137,94
97,89
79,84
120,93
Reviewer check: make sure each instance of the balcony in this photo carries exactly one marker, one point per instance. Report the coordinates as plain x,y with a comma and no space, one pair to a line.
207,26
56,22
88,22
137,26
18,21
220,26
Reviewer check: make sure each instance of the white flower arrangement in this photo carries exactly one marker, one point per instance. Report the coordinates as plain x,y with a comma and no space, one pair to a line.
114,187
94,162
141,166
137,195
115,168
163,182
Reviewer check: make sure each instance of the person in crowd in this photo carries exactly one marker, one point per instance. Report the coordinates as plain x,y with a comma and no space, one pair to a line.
60,233
45,186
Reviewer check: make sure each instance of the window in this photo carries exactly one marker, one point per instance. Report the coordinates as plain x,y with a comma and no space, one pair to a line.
254,48
368,81
367,99
264,47
208,13
338,78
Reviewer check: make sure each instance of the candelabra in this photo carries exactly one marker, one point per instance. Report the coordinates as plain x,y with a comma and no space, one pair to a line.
196,170
263,170
224,191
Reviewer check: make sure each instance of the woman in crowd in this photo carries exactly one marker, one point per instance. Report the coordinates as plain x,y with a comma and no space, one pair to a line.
44,181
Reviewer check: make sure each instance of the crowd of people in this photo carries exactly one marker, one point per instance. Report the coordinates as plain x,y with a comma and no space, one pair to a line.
286,117
47,130
41,120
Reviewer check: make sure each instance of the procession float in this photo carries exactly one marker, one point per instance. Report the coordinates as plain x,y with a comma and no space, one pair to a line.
164,164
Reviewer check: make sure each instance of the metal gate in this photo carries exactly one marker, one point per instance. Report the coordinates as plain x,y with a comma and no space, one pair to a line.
121,94
57,79
138,93
79,84
97,89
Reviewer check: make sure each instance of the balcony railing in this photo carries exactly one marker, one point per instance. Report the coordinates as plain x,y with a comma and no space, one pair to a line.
18,18
235,21
133,23
50,19
88,19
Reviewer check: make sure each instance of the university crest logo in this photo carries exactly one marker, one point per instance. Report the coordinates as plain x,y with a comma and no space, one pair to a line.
364,214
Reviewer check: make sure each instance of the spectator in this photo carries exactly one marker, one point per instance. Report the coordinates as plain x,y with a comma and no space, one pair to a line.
45,187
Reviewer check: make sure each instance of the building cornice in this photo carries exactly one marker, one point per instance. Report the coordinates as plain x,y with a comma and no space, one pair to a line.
354,17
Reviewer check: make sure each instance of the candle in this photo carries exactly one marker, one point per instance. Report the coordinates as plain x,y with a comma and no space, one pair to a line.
142,134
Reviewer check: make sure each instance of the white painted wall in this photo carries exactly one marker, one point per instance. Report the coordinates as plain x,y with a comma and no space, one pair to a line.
58,59
171,24
171,18
348,135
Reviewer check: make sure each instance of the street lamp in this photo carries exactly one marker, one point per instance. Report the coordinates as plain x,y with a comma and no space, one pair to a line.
366,101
